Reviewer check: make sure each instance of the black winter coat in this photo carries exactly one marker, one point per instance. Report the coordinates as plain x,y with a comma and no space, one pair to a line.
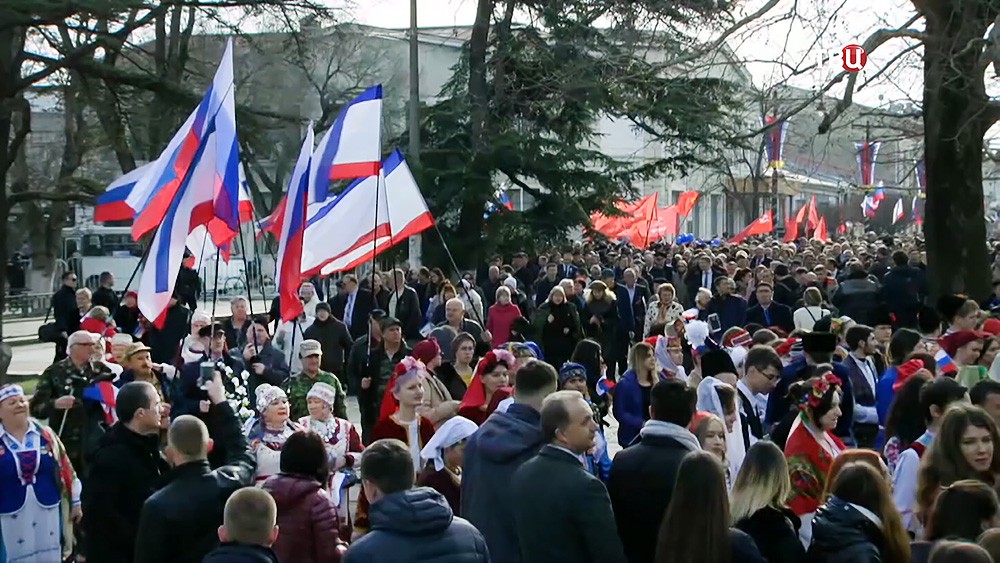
842,534
165,342
241,553
558,337
417,525
775,531
641,484
335,341
904,289
180,522
858,298
122,473
64,311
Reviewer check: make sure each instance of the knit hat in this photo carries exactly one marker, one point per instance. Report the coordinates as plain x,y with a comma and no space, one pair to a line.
511,283
121,338
11,390
427,350
950,343
324,306
200,317
569,370
607,273
267,394
324,392
310,347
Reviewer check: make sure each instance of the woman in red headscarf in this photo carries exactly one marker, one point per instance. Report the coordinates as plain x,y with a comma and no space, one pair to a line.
398,419
488,386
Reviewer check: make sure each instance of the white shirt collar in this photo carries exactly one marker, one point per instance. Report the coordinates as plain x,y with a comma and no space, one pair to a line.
32,429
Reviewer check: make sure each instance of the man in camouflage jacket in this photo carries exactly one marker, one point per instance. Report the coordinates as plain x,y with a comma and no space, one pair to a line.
58,399
298,386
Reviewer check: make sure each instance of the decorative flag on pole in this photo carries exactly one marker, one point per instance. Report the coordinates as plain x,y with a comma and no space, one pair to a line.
604,385
866,155
774,141
106,394
289,257
791,229
206,140
922,176
842,229
897,211
499,196
763,225
111,205
664,224
821,231
813,215
944,362
916,215
686,202
352,147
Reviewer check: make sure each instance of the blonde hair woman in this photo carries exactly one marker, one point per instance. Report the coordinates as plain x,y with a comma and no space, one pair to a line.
805,317
757,503
664,309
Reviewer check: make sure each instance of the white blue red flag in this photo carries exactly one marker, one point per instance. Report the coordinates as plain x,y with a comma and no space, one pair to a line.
944,362
897,211
368,218
112,204
867,152
604,385
774,141
206,140
106,394
501,197
352,147
922,175
289,257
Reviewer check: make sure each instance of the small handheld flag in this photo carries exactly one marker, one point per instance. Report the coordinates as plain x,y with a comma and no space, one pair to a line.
604,385
106,394
944,362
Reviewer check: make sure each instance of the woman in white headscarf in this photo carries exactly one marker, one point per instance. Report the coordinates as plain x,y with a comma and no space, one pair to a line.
443,458
719,398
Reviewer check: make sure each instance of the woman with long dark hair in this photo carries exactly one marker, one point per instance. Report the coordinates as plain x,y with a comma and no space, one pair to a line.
759,507
905,422
696,526
965,448
859,524
963,511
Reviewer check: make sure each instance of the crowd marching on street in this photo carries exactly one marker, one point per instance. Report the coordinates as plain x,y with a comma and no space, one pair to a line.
778,402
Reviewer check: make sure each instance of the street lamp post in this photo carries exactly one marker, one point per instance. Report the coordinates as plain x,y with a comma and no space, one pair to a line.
414,119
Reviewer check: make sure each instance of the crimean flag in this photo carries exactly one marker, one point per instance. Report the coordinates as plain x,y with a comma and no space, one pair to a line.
685,203
763,225
352,147
774,141
866,153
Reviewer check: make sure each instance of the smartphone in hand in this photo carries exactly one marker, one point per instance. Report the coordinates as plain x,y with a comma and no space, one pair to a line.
206,374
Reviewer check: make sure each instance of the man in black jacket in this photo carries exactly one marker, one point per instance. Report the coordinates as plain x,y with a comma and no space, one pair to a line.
123,472
353,306
642,476
180,521
65,313
249,529
857,296
904,289
166,341
768,313
105,295
402,303
334,339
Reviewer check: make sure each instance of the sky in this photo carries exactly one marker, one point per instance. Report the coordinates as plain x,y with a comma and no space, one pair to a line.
813,31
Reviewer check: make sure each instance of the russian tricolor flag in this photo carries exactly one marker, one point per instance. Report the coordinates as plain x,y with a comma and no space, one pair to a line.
106,394
289,257
352,147
604,385
155,192
112,204
944,362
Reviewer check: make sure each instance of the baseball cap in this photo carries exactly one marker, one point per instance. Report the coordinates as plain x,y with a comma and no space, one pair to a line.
310,348
135,349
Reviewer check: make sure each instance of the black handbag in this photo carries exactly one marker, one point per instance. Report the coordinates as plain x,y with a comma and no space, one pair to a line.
48,332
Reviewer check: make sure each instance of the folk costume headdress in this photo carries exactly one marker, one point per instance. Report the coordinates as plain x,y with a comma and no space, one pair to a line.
476,395
408,369
453,431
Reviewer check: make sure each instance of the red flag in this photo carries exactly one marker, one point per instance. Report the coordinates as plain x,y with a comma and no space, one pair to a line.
791,230
821,232
801,215
813,215
644,214
763,225
842,229
685,203
665,223
642,211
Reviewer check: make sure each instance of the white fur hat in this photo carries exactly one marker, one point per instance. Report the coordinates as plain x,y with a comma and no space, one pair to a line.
267,394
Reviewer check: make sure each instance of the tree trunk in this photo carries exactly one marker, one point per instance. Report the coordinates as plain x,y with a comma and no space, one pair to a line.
11,52
956,117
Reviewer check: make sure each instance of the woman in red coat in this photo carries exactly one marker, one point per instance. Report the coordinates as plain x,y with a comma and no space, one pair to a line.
501,316
307,516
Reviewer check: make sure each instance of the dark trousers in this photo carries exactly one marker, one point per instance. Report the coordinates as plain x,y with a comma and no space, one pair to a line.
617,357
61,345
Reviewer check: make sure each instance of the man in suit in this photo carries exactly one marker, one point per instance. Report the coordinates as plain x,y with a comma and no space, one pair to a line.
759,259
642,477
864,380
702,276
768,313
401,302
561,511
761,371
732,309
353,306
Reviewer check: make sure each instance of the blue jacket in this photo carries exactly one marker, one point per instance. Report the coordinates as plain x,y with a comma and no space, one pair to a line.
627,408
885,393
501,445
732,311
778,406
417,525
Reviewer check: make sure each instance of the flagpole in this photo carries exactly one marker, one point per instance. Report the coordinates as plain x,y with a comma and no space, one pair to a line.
371,285
215,294
458,273
142,259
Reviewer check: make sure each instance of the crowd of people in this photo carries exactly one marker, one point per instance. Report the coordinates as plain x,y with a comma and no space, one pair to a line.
771,402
